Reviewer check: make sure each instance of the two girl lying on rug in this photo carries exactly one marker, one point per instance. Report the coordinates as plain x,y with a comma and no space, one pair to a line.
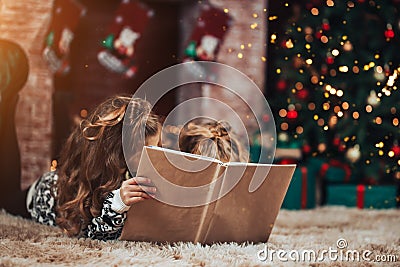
92,189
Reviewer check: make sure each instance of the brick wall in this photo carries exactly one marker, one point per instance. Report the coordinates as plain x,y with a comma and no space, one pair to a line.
244,48
25,22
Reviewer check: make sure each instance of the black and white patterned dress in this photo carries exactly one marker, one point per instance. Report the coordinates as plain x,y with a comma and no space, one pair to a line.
42,207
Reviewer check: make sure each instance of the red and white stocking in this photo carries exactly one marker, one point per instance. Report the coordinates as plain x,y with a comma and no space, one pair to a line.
65,18
118,54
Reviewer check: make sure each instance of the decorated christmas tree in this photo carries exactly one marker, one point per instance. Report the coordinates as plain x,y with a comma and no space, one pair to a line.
334,84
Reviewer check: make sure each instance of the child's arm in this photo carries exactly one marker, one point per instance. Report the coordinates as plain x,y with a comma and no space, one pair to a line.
108,225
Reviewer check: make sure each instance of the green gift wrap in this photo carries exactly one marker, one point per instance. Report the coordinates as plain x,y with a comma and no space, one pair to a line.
301,193
362,196
335,171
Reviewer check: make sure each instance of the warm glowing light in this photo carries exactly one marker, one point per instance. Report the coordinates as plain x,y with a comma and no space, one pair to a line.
378,120
284,126
339,93
278,71
254,25
226,10
395,122
289,44
343,69
324,39
356,115
299,130
314,11
282,113
264,59
391,154
333,121
340,114
330,3
309,61
83,113
345,105
368,108
335,52
298,86
326,106
240,55
314,79
379,145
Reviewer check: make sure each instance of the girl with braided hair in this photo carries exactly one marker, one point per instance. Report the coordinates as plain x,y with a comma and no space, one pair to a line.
213,139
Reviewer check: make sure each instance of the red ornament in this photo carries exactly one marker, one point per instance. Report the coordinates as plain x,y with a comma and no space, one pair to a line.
292,114
302,94
326,26
330,60
336,141
281,85
389,33
342,148
324,69
306,149
396,150
288,161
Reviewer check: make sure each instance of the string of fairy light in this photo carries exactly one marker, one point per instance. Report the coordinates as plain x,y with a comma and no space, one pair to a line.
339,108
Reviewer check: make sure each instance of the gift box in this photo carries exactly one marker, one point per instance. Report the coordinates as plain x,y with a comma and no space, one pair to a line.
335,171
362,196
301,193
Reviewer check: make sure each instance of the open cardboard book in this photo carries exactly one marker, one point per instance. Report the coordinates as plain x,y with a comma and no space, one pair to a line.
247,212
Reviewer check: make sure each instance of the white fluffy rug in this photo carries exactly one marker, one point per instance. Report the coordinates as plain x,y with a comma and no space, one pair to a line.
25,243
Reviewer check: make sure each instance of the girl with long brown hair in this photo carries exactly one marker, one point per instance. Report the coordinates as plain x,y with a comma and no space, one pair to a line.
92,189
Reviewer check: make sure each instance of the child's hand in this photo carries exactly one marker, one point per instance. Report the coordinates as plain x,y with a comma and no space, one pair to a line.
136,189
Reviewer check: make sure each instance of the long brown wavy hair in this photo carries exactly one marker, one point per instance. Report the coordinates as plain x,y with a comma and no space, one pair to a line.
92,162
213,139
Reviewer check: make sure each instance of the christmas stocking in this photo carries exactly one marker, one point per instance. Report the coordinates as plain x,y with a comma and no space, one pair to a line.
130,21
65,18
207,36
